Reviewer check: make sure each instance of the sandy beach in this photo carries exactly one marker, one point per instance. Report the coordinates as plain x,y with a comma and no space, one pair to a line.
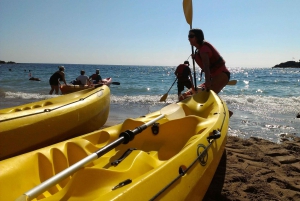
257,169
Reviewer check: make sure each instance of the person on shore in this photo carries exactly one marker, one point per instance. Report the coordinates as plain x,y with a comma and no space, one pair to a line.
96,77
84,80
184,77
55,78
210,61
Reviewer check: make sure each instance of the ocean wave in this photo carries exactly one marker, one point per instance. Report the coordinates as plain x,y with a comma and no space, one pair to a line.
22,95
264,104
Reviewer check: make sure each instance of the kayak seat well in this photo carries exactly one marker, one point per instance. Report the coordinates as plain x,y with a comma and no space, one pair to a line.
151,151
103,179
169,141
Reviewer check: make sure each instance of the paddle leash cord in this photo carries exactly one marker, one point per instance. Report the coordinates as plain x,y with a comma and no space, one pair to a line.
200,157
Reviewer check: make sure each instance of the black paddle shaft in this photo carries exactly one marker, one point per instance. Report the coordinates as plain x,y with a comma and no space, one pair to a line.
124,138
172,85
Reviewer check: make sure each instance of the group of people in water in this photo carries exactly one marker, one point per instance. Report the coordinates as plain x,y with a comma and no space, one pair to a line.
82,79
206,56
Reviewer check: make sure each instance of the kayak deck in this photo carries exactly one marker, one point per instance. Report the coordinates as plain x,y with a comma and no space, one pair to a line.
153,162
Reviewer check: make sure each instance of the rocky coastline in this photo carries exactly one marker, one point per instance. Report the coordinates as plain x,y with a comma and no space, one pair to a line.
288,64
9,62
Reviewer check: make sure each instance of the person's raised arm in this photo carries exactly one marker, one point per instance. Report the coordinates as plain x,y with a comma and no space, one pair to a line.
63,78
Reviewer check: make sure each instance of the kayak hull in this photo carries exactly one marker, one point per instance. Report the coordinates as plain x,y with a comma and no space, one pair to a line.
28,127
178,163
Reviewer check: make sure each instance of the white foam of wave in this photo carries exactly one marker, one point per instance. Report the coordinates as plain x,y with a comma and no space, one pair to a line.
246,82
262,116
142,99
255,104
22,95
263,104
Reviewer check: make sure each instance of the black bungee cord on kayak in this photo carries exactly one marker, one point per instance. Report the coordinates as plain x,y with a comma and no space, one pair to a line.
200,157
182,172
49,110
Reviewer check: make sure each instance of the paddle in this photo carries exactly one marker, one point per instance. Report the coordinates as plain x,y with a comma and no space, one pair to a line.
116,83
172,111
164,97
232,82
99,85
188,13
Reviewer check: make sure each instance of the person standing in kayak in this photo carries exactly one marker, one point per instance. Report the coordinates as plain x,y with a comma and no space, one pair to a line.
184,77
96,78
210,61
55,78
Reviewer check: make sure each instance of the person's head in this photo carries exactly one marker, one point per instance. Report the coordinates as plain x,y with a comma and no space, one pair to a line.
61,68
196,36
82,72
97,71
187,63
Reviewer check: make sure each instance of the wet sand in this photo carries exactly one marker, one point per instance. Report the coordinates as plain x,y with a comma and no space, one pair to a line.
257,169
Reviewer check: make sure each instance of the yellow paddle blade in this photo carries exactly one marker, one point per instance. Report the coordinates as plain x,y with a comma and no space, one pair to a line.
164,97
188,11
232,82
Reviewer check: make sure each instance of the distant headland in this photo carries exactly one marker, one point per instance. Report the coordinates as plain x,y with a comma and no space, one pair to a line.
9,62
288,64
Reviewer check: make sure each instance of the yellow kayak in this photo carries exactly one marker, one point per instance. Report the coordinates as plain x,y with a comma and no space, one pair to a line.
173,157
31,126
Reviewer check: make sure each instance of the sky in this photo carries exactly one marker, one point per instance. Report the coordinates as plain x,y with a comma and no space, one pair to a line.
247,33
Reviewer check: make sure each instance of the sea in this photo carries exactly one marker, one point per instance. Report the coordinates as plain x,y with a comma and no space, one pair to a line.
264,102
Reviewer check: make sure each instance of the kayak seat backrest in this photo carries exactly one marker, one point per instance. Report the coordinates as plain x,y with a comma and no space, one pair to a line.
171,138
24,108
68,154
203,110
36,106
130,124
47,103
100,139
137,161
18,109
